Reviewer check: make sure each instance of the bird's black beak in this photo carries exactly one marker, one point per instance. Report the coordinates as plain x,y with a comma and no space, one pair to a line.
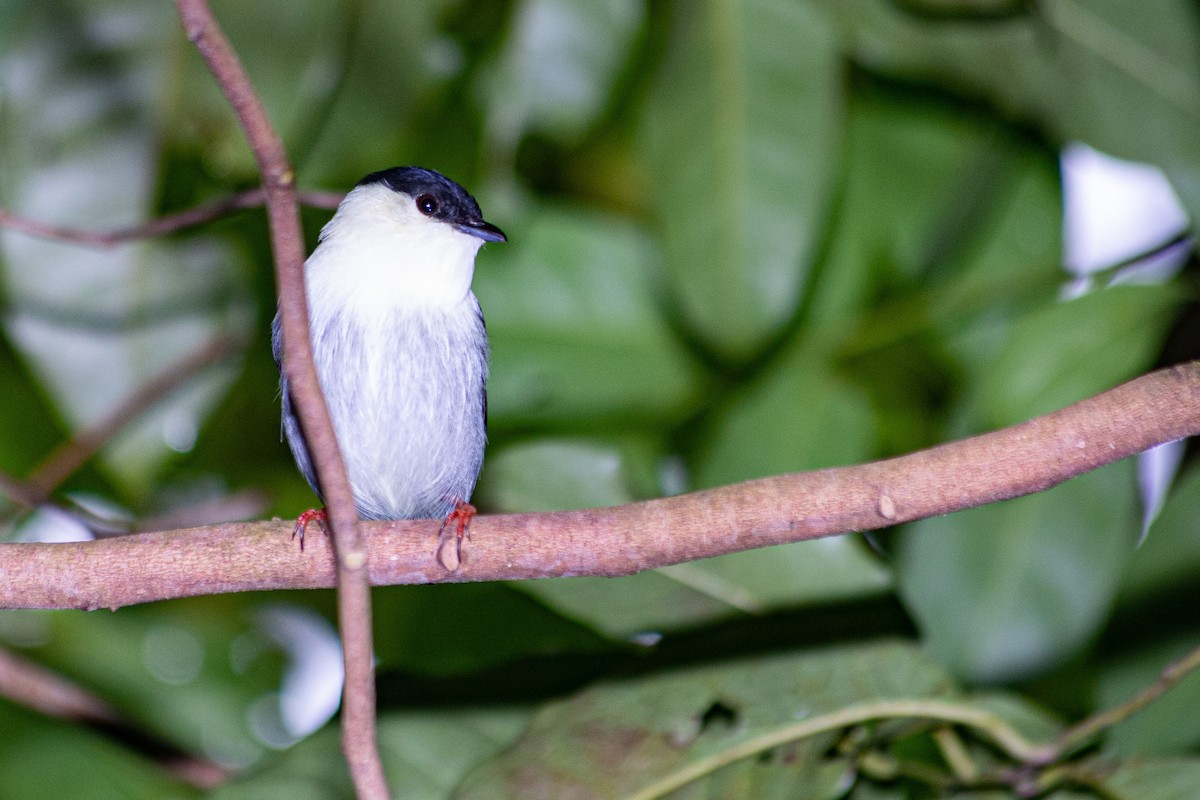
483,230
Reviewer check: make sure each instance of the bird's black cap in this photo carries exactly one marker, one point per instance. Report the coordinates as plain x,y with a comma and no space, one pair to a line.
451,203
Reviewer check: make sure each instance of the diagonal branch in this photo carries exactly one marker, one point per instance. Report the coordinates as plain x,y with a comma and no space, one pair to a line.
36,687
74,453
189,218
354,592
1031,457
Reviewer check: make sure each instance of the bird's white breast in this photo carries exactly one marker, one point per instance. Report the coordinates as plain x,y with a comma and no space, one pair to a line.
401,353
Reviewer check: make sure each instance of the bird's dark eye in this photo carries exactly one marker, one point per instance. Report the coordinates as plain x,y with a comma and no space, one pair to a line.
427,204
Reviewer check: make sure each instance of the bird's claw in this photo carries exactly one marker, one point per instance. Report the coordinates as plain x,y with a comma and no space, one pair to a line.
318,515
458,520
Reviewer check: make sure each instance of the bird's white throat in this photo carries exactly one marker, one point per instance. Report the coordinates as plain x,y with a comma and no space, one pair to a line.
383,256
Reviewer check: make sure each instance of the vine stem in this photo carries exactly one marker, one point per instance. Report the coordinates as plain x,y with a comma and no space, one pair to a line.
1085,730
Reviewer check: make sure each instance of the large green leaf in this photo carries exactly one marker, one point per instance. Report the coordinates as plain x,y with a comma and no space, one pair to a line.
42,759
1092,70
553,473
795,416
1009,589
425,755
742,131
1156,779
932,196
702,592
557,66
621,737
574,331
1069,351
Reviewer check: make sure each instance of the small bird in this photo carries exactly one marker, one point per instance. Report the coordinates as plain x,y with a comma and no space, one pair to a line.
399,346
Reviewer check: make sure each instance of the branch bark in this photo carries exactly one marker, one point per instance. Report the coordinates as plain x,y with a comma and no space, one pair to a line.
1031,457
354,592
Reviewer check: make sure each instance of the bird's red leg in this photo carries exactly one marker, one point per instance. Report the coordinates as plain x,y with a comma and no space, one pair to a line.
318,515
459,519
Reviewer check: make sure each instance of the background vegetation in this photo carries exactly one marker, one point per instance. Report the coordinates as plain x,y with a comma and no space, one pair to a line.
745,238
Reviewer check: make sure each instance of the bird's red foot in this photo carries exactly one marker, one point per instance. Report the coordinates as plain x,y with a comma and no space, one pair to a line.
317,515
459,521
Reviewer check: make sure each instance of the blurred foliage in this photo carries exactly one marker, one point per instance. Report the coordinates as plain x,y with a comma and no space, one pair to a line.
747,237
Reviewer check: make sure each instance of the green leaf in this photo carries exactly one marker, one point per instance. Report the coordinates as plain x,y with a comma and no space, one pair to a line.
1071,350
1168,726
425,755
1169,558
23,447
43,759
1156,779
557,66
574,332
455,629
622,737
1090,70
793,417
688,595
1008,589
554,474
929,194
742,131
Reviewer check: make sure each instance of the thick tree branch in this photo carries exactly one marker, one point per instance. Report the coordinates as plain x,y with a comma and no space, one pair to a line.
354,592
189,218
1031,457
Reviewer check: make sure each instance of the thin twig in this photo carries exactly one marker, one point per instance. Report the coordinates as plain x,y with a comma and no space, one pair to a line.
33,686
170,223
1084,731
72,454
1031,457
61,463
36,687
21,492
956,755
354,595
